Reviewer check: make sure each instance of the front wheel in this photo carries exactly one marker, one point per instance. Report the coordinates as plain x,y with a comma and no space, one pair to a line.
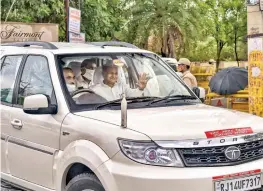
84,182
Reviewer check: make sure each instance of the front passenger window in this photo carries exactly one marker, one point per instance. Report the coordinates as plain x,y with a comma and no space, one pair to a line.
35,79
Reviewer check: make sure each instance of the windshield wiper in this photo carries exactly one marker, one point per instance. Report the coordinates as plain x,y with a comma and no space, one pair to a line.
169,98
129,100
181,97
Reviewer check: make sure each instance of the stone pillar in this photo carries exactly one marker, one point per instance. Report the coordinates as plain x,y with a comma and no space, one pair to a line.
255,65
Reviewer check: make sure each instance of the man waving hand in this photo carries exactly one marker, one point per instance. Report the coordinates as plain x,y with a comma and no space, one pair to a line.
111,89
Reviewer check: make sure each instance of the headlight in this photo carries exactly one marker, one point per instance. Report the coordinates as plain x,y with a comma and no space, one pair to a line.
147,152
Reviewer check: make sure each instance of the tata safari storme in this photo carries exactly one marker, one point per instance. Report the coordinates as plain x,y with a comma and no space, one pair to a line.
135,126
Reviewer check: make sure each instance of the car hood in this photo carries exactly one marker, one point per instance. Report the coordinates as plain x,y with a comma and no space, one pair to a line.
178,122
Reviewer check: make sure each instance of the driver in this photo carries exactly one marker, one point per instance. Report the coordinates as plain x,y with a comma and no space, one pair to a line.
69,79
110,89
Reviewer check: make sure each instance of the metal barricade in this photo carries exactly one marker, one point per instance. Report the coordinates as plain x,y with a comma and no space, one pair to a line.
238,101
217,100
203,74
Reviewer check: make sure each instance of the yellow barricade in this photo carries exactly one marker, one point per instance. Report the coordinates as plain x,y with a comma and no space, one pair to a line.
203,74
238,101
202,70
217,100
255,81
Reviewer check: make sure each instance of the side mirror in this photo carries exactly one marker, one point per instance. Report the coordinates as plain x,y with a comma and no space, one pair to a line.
200,92
38,104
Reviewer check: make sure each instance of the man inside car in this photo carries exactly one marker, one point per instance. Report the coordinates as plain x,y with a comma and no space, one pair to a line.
87,71
111,89
69,79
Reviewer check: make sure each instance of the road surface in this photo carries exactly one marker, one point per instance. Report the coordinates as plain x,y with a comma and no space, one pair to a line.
7,187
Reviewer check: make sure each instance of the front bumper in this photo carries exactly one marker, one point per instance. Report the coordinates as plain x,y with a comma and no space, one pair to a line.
122,174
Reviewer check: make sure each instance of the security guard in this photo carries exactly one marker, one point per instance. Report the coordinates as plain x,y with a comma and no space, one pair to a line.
211,68
188,78
212,64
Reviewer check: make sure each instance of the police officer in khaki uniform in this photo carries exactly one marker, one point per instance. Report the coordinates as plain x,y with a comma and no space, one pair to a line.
188,78
212,64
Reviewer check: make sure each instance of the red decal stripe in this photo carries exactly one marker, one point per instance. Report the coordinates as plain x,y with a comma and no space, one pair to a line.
229,132
247,173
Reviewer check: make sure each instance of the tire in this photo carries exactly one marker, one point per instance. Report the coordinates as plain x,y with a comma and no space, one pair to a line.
85,181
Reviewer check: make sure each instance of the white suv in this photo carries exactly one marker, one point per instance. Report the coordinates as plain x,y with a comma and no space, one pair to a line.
136,127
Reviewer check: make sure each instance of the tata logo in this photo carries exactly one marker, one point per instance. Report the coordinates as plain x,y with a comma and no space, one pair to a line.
232,153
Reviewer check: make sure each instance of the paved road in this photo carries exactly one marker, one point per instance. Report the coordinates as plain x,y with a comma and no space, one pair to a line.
6,187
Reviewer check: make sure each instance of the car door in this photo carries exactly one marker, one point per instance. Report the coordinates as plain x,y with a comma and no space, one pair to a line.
34,139
9,68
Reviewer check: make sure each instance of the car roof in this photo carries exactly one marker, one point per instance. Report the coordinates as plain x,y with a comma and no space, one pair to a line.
170,59
75,48
98,50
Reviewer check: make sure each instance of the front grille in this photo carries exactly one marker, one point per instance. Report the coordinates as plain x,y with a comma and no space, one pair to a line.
215,156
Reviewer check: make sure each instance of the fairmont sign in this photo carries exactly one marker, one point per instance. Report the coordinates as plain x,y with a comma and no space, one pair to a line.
12,32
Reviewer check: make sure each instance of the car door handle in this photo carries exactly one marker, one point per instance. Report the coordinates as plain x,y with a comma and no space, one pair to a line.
17,124
65,133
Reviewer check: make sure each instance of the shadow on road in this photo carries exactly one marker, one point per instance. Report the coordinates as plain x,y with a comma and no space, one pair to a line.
7,187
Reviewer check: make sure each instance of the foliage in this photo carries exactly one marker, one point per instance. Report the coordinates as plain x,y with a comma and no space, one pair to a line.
171,20
39,11
100,18
225,22
198,29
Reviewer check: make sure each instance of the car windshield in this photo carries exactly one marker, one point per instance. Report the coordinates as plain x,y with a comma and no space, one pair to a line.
105,78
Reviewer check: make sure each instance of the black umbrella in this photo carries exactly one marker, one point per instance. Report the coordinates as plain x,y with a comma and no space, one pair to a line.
229,81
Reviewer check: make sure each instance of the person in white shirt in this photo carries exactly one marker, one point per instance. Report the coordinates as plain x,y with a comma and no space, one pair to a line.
111,89
88,67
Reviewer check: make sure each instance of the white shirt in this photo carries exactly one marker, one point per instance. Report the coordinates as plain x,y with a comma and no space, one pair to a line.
115,92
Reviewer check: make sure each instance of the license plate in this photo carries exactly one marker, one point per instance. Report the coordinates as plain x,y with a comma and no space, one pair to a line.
238,182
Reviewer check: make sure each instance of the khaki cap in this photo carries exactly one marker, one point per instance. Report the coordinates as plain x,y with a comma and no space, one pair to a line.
184,61
212,61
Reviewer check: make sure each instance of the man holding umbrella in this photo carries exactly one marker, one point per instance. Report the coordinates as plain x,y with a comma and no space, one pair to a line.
184,65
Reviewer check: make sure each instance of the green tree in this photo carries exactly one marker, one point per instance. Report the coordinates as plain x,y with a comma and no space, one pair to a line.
170,20
198,29
43,11
100,19
225,21
216,22
238,19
